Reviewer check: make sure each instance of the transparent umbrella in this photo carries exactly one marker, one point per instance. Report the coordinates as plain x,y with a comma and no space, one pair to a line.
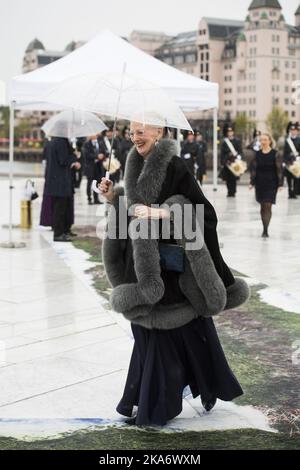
73,123
119,96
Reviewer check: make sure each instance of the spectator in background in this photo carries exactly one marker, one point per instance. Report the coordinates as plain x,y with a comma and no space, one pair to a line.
126,145
93,167
200,157
189,152
77,174
60,161
106,145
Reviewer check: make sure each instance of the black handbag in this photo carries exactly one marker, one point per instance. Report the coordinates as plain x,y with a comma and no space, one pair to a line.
172,257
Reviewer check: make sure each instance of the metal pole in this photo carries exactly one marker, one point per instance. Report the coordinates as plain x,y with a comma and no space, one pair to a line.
11,162
10,243
116,118
215,149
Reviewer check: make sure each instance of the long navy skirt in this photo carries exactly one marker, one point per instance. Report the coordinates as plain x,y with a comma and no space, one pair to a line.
164,362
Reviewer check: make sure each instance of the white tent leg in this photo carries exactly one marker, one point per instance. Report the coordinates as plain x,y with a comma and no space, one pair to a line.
10,243
11,162
215,149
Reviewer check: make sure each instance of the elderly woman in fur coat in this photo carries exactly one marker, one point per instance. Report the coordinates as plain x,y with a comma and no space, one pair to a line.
176,344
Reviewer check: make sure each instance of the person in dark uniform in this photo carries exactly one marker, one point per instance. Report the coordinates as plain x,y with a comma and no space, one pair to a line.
126,145
105,142
291,154
231,150
119,137
266,177
255,145
201,156
77,174
93,168
46,209
189,152
298,143
60,161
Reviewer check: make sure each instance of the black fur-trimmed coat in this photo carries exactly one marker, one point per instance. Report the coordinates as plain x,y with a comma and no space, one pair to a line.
132,265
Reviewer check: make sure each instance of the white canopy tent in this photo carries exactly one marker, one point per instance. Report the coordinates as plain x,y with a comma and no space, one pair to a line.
106,54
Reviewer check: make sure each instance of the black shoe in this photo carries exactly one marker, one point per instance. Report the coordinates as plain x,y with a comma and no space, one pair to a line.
130,421
98,202
265,234
62,238
209,404
90,203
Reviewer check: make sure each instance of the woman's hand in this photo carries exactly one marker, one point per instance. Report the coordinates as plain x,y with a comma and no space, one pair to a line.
145,212
106,188
280,188
250,186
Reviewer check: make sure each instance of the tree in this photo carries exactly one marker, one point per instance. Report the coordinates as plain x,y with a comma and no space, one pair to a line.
4,121
277,122
23,128
244,126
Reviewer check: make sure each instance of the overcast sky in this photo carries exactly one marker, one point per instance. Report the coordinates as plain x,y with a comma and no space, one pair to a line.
57,22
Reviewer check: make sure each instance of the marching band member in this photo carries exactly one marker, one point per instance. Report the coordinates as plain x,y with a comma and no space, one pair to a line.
291,155
255,145
230,152
189,151
200,157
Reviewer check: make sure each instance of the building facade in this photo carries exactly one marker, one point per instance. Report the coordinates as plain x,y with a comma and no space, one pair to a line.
37,56
256,62
148,41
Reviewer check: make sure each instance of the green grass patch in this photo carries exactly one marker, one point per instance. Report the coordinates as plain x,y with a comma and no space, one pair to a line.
112,438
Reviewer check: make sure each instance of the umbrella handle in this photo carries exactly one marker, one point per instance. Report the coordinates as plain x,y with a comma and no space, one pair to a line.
95,187
95,183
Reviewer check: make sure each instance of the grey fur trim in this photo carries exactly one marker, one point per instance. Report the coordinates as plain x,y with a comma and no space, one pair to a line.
150,287
143,181
200,270
237,294
112,249
166,317
118,191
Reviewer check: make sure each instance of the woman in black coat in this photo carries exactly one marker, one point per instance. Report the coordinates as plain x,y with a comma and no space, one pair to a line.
164,361
267,178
